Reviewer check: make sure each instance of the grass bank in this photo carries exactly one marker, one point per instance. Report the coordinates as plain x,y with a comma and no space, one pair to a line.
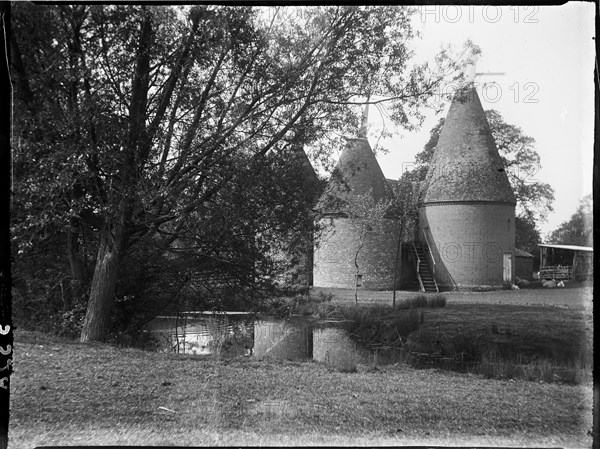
484,333
73,394
536,342
574,295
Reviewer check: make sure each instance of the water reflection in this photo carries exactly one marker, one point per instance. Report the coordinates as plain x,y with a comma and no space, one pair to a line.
260,337
331,340
204,334
333,346
278,339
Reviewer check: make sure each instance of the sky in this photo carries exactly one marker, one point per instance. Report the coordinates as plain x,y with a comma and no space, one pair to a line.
547,56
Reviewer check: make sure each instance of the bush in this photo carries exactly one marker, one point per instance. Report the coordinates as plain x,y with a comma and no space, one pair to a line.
408,322
68,324
422,301
382,325
322,297
140,339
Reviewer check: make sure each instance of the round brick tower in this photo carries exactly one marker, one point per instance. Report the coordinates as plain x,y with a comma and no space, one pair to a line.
346,241
301,245
295,254
467,213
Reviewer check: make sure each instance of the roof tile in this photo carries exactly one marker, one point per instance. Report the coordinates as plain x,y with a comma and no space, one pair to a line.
356,173
466,165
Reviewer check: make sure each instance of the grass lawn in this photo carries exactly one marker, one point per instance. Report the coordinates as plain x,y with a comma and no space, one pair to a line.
575,295
65,393
533,334
541,342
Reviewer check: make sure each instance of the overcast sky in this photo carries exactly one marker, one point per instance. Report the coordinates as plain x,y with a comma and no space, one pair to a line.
547,55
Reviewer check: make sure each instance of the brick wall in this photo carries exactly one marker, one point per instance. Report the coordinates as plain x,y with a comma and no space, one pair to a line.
469,242
336,249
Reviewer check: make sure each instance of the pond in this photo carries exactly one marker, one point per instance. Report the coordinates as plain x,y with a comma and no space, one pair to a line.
336,343
242,334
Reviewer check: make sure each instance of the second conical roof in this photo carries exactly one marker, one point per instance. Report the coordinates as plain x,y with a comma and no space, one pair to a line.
356,173
466,165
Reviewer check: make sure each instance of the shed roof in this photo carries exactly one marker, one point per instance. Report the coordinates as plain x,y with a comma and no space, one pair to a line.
466,165
569,247
356,173
521,253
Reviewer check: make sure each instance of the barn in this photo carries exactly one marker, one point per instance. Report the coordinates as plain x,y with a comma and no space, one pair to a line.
566,262
523,264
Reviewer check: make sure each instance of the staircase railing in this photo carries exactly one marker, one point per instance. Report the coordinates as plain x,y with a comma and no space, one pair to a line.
418,266
431,260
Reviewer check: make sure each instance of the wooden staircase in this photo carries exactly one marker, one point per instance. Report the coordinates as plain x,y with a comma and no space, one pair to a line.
424,272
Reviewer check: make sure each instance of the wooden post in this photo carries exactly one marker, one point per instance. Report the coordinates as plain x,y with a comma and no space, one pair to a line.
357,283
397,266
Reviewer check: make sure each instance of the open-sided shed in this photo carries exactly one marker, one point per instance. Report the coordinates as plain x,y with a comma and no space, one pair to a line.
566,262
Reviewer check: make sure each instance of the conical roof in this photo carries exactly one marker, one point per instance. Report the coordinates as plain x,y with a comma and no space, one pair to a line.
296,156
466,165
301,162
356,173
298,174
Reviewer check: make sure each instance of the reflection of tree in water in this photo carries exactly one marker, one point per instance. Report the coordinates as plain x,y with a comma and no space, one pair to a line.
217,335
239,339
341,344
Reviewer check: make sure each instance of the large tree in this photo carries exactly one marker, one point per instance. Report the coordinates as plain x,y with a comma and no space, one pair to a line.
521,161
133,121
578,230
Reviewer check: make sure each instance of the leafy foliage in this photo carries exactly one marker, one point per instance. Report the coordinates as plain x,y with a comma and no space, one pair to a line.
167,126
522,162
405,204
366,219
527,236
578,230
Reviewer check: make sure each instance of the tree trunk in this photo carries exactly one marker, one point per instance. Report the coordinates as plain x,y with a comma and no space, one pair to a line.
101,302
76,264
113,240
